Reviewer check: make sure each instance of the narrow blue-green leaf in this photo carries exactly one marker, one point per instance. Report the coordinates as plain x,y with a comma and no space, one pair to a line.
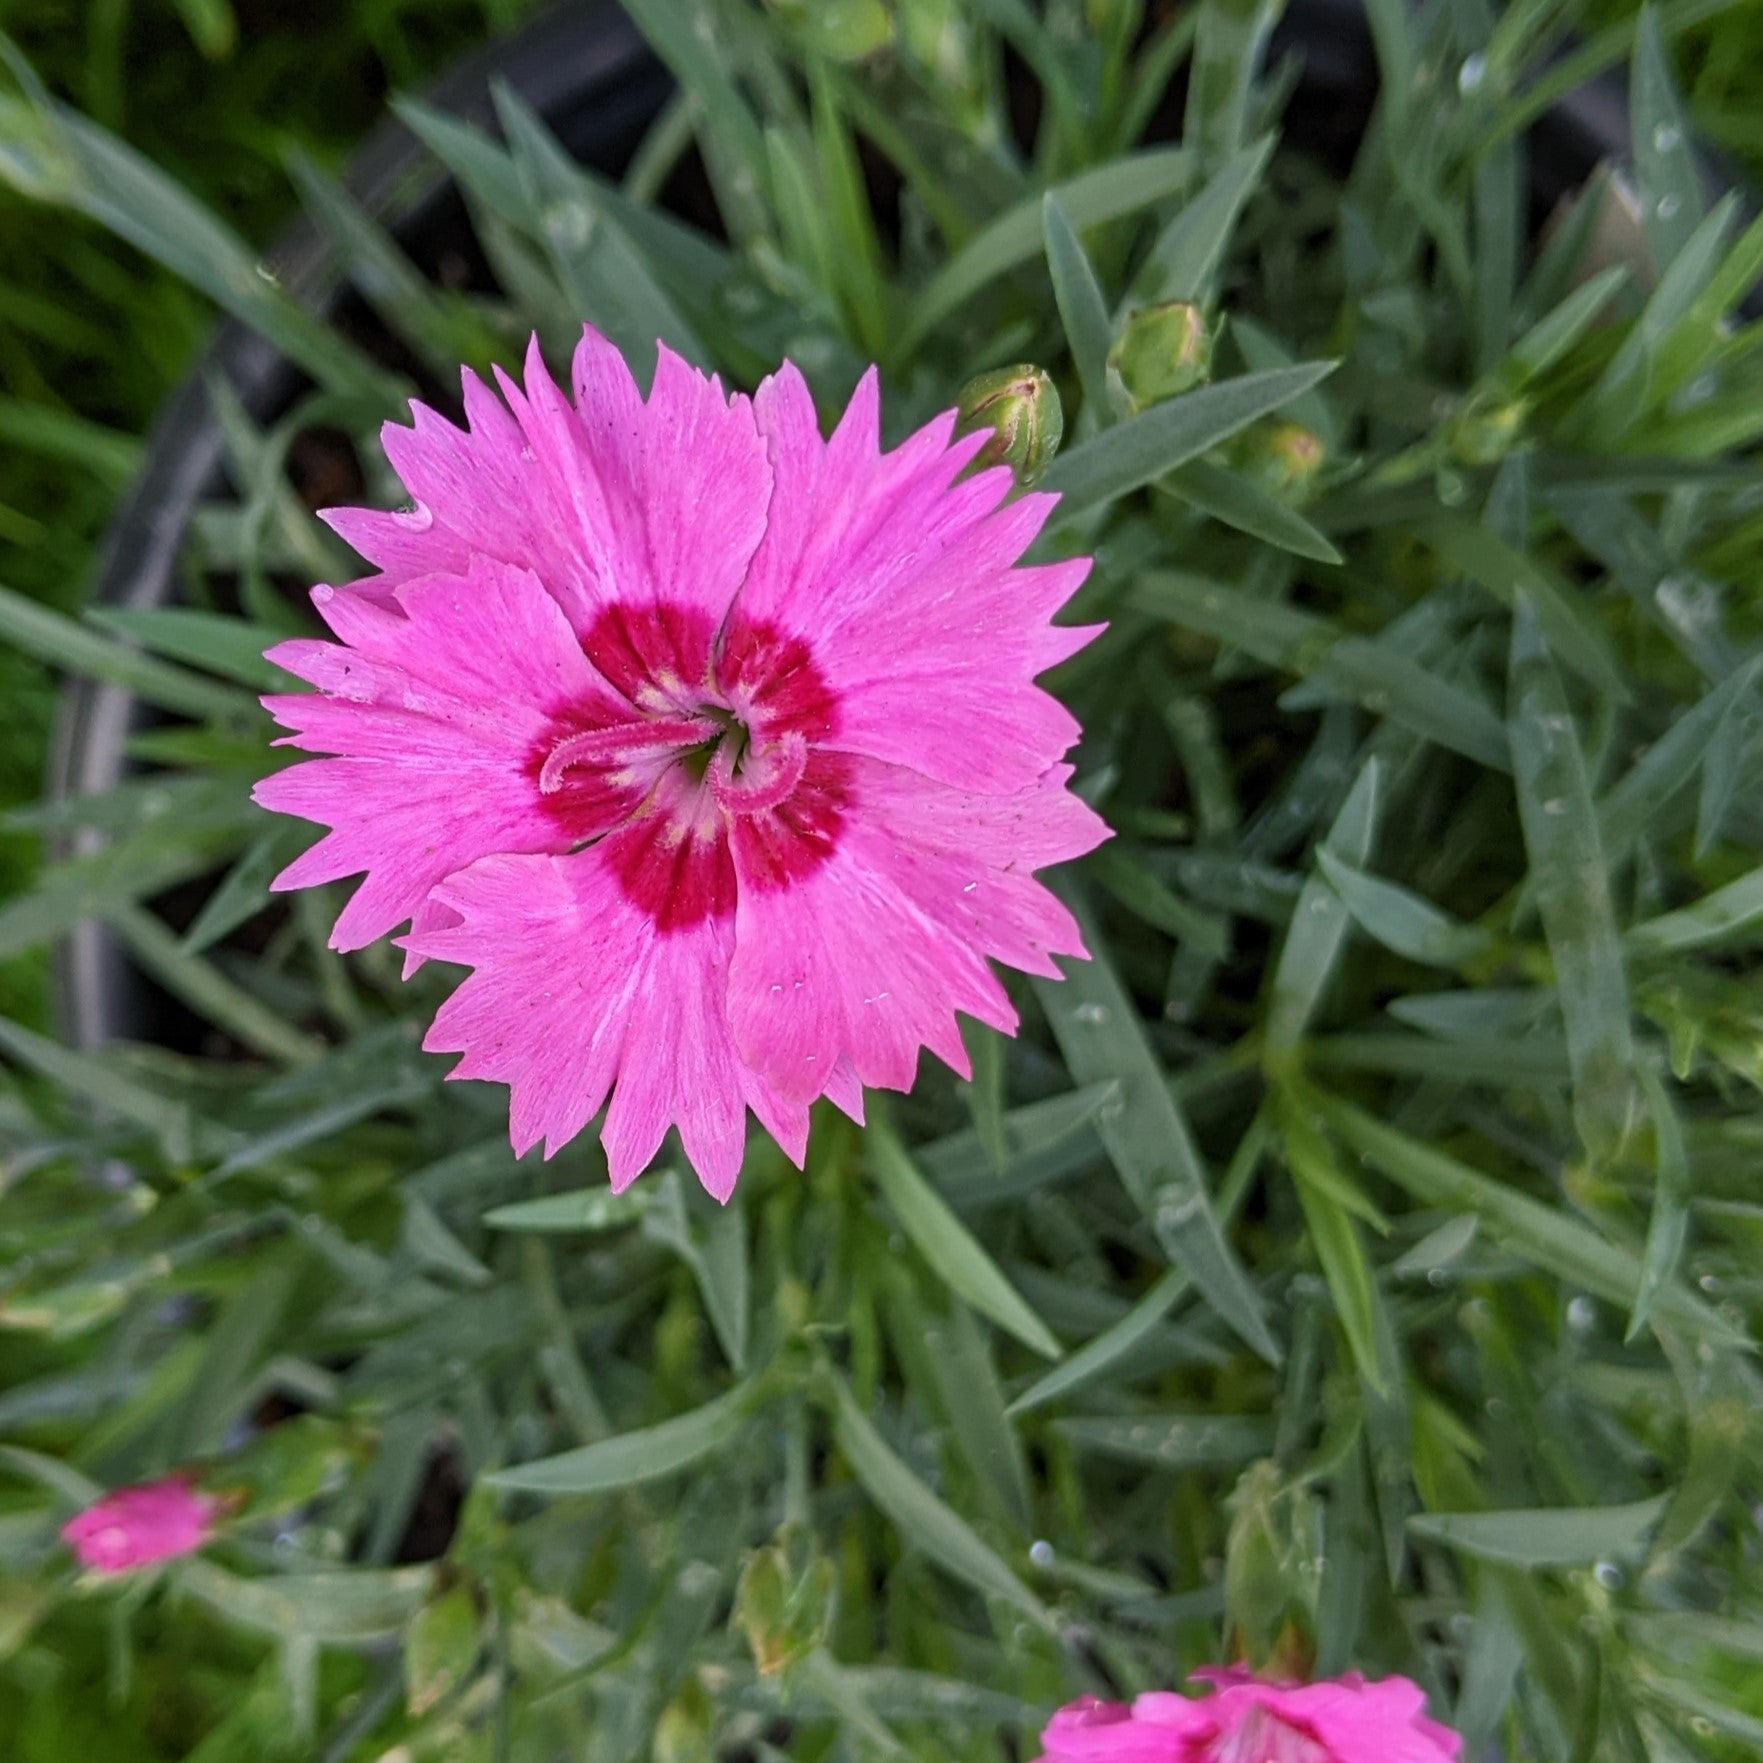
346,1607
963,1370
1146,1134
1230,497
62,642
862,272
918,1513
1576,636
87,1075
65,1482
1498,204
74,440
1664,153
1671,1193
1227,57
318,1124
208,991
1082,309
1721,770
243,892
438,323
1564,1537
685,35
1339,1249
1542,1235
1319,924
1183,262
1112,1345
1043,1142
1630,805
1571,884
1134,453
1172,1441
1555,334
1103,193
215,642
1713,918
582,1209
54,154
600,267
1372,673
1401,920
986,1090
1625,391
949,1248
635,1457
712,1240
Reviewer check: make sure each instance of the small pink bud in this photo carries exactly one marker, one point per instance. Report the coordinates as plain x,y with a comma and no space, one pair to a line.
136,1526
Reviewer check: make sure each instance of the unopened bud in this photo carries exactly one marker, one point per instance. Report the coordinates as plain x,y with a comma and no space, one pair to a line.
1282,458
1486,429
441,1643
1162,352
841,30
686,1731
784,1600
1020,405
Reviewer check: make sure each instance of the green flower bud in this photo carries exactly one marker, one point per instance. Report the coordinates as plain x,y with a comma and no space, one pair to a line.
784,1600
841,30
1280,457
1021,407
1271,1571
686,1731
441,1644
1161,352
1486,429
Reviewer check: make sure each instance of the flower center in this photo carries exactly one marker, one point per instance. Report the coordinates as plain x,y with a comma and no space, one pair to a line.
721,735
714,746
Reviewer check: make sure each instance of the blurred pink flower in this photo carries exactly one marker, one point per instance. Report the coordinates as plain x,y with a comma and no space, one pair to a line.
136,1526
712,746
1245,1720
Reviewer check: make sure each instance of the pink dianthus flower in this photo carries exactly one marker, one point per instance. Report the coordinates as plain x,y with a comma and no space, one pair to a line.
136,1526
710,745
1248,1720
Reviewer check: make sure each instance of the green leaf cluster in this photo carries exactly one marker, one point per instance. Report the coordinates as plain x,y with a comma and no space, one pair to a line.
1352,1265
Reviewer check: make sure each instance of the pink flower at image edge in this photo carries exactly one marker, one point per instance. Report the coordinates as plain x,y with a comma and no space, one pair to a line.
136,1526
1248,1720
710,745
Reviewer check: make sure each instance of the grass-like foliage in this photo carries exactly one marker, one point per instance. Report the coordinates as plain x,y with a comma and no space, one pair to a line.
1352,1266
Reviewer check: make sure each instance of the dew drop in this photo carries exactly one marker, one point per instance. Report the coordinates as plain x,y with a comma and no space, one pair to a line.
1581,1314
971,886
1667,136
1668,206
1040,1552
1555,806
1093,1015
1608,1575
1471,74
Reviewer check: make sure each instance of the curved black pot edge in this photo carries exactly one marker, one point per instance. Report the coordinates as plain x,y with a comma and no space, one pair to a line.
552,62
